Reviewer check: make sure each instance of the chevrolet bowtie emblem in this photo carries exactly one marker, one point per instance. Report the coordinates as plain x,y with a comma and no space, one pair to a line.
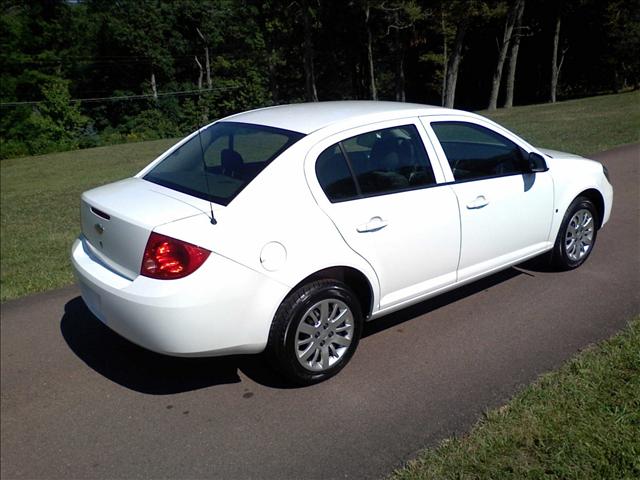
99,228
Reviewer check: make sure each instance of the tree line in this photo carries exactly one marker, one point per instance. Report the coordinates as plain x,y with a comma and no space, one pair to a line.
81,73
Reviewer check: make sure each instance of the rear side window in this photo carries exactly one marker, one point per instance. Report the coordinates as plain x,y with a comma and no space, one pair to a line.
383,161
475,152
234,154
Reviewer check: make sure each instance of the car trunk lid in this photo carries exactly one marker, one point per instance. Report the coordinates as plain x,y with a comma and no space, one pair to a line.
118,218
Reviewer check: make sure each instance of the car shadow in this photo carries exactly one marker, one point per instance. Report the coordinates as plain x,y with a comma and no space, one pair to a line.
141,370
136,368
540,264
427,306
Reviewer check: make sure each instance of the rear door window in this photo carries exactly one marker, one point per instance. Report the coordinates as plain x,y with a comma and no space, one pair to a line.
379,162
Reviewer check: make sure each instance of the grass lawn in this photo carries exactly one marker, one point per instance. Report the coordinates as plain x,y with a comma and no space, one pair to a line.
40,199
39,196
580,422
584,126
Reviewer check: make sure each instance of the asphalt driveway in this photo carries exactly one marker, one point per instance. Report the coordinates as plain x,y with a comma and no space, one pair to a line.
80,402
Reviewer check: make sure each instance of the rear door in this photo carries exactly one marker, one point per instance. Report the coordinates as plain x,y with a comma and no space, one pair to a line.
380,189
505,211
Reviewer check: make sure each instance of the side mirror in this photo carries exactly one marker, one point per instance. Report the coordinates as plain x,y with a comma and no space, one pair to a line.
537,163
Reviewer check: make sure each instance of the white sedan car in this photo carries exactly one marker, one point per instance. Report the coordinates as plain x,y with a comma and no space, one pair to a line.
284,229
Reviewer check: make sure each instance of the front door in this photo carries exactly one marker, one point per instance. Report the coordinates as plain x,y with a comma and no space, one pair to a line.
505,211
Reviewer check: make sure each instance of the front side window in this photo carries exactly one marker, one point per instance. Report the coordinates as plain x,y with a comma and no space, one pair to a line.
378,162
217,164
475,152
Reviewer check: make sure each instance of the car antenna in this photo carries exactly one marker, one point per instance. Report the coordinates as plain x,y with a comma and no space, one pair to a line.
204,166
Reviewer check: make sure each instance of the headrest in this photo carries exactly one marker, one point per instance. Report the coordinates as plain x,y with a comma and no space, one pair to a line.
231,160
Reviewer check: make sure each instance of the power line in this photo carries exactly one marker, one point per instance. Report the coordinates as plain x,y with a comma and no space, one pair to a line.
127,97
108,60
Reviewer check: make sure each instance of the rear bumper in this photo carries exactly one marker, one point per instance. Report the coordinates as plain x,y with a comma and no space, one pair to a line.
222,308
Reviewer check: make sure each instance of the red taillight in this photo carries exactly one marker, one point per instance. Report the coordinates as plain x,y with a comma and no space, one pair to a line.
166,258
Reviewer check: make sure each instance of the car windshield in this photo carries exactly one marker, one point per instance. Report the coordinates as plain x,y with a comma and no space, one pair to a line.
217,164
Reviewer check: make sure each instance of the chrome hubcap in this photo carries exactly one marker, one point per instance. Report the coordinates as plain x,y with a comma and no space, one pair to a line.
324,335
579,235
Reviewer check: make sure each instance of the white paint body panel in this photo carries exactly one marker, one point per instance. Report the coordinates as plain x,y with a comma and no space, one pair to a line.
514,223
281,229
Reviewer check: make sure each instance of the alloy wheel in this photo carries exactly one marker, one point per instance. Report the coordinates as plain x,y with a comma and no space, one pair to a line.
324,334
579,235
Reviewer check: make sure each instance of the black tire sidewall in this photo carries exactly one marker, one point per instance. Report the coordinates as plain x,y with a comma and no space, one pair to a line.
290,315
560,257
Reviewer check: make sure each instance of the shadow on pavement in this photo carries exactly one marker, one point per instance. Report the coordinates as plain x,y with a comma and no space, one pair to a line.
540,264
144,371
141,370
422,308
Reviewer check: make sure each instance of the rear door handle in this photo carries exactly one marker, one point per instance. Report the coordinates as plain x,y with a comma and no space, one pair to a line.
373,225
479,202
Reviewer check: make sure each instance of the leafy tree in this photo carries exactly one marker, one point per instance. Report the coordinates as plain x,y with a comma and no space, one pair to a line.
513,14
54,121
400,18
151,68
622,23
518,32
457,16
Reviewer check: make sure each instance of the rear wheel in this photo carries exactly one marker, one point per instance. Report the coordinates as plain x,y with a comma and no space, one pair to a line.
315,332
577,235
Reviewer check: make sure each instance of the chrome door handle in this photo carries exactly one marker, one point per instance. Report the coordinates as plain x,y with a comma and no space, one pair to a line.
373,225
479,202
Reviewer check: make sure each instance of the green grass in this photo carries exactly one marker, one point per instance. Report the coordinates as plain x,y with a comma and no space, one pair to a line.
39,196
584,126
40,214
580,422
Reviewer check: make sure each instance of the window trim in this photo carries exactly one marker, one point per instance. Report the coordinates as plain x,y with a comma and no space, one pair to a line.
364,196
424,187
345,155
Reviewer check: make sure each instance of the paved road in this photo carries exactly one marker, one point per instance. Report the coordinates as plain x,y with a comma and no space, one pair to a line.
79,402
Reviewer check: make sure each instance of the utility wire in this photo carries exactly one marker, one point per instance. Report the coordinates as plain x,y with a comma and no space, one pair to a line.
96,61
127,97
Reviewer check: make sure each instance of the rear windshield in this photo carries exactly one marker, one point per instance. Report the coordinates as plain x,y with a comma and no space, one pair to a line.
217,164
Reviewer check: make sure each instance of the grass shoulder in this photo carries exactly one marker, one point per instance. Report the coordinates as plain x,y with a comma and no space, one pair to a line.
581,421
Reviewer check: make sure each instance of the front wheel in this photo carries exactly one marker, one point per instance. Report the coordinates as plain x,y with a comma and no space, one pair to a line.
315,332
577,235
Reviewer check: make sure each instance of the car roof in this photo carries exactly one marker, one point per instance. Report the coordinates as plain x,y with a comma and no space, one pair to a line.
309,117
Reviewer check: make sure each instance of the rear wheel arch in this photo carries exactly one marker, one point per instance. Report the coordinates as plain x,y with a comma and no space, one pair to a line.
351,277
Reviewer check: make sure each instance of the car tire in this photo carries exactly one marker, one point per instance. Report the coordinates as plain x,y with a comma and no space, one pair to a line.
315,332
577,235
